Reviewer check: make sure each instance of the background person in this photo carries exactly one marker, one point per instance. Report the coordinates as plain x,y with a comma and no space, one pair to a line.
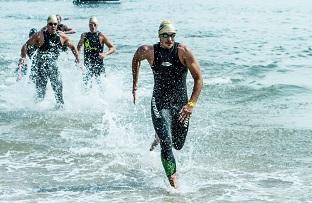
93,48
62,27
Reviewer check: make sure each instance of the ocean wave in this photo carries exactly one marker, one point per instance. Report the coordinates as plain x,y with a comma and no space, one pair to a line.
243,94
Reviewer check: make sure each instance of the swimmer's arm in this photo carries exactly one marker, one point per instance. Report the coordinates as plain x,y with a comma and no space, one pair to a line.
142,53
109,44
136,63
80,43
71,31
68,30
33,41
194,68
68,43
189,60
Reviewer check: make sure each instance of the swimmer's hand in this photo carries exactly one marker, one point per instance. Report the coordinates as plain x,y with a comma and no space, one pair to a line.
102,55
185,113
21,62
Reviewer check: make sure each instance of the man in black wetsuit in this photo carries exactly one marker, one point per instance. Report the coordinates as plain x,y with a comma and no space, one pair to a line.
93,43
49,44
170,107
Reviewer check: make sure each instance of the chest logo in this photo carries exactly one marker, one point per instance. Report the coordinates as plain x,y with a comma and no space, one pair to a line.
166,64
88,47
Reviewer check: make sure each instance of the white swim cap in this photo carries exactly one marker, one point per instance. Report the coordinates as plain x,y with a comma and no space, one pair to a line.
166,26
94,20
52,19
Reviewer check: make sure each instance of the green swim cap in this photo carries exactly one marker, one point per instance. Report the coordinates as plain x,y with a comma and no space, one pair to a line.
166,26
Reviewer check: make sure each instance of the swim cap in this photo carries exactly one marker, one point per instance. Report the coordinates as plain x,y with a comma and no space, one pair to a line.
94,20
32,31
166,26
52,19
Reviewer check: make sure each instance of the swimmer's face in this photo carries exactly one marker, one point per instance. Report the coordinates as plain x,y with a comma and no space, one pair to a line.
92,26
167,39
52,27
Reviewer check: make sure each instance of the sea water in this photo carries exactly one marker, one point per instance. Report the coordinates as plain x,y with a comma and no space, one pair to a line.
250,136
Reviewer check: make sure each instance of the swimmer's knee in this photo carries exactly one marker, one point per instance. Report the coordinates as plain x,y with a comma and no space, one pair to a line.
177,147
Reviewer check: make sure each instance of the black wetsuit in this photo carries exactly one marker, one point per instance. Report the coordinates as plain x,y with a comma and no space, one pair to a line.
92,47
169,96
45,67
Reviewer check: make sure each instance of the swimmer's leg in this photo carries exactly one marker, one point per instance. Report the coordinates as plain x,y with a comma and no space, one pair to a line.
161,122
57,85
41,80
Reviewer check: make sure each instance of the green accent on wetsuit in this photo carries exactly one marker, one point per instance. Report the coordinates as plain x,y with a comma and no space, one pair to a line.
169,166
169,96
87,46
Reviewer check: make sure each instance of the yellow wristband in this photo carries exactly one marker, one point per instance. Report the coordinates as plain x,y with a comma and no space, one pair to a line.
191,103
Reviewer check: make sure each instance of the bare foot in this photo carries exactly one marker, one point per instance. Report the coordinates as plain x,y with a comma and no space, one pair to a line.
173,181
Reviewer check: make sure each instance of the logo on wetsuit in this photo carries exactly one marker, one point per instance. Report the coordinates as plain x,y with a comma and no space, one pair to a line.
167,64
186,121
156,112
87,46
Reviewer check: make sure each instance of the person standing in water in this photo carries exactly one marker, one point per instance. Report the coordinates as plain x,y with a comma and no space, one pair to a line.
49,43
62,27
93,43
170,107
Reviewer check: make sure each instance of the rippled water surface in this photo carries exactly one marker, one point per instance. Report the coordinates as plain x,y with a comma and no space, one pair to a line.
250,137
